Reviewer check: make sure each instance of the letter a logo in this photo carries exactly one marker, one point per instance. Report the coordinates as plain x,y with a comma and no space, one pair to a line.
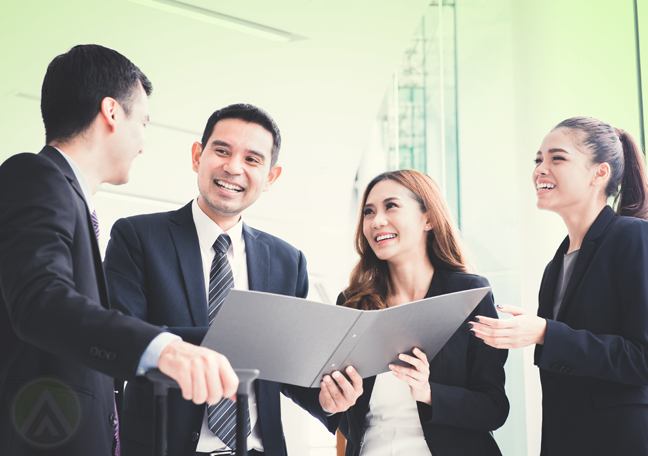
46,413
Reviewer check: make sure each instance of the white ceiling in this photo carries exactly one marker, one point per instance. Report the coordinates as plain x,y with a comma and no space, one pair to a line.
323,91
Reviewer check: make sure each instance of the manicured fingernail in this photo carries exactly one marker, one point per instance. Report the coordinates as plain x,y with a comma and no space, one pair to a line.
477,319
471,326
499,306
391,366
336,374
401,356
350,369
327,379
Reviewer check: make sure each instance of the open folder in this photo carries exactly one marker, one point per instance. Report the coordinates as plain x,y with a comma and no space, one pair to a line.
292,340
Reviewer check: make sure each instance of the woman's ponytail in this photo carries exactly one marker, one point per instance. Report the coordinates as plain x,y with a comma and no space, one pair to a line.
632,199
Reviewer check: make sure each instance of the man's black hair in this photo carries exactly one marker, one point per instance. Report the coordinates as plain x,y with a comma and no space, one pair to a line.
247,113
75,84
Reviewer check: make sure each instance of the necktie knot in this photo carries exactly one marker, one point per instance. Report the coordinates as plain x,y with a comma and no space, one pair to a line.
222,243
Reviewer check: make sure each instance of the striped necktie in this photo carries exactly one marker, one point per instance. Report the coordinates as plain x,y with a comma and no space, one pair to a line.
222,416
95,225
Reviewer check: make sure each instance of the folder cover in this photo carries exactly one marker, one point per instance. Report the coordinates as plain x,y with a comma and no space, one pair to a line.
296,341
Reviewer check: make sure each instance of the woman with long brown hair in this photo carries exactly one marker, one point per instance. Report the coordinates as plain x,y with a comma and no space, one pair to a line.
410,249
591,331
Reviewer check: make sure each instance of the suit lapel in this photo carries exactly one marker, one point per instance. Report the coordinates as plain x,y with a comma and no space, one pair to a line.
548,290
185,239
60,161
258,260
587,250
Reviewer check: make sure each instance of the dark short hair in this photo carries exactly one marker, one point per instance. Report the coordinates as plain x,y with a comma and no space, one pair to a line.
77,81
248,113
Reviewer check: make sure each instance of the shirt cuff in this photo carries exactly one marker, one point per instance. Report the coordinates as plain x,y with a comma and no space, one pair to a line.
151,355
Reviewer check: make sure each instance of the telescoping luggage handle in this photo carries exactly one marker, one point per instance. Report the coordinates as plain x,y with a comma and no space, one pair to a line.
163,383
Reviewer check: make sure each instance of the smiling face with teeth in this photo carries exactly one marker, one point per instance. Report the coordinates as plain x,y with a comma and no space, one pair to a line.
565,178
393,223
233,169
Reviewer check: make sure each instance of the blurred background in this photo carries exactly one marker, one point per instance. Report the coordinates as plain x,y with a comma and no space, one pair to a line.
464,90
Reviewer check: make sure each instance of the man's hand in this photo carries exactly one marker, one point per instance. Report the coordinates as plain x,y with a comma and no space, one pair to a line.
337,394
522,330
203,374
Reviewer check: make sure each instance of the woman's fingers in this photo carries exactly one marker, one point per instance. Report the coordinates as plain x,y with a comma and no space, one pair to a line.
513,310
516,332
337,393
420,355
417,363
408,372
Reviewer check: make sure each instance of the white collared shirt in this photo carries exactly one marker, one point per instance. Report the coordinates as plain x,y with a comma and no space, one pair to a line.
208,231
85,187
150,357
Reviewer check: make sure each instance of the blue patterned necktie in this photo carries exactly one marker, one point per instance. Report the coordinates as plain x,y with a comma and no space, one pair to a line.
95,225
222,416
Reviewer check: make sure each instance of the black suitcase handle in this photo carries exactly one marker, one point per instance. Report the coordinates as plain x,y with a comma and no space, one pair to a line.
162,383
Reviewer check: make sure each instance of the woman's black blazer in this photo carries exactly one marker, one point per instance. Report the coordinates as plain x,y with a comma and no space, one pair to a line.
594,361
467,382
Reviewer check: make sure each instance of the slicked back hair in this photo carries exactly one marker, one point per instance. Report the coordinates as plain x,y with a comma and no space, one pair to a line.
606,144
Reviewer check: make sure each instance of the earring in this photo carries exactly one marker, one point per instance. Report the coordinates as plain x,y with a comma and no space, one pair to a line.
427,227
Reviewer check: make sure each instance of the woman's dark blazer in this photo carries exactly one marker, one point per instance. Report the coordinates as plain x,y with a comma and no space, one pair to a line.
467,382
594,361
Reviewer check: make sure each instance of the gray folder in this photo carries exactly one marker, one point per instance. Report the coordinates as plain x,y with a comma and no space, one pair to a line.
296,341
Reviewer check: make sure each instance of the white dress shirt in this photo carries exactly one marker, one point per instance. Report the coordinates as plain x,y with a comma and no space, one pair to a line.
208,231
392,426
150,357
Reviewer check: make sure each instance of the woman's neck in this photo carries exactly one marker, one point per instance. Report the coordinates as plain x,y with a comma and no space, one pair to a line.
578,222
410,280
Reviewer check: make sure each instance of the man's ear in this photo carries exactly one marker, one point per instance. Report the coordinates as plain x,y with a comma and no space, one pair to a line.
108,112
196,153
275,172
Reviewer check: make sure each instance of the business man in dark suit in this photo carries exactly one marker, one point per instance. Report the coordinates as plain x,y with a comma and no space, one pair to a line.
162,268
61,342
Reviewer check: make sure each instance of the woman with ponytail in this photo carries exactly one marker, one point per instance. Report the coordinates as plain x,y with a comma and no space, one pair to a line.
591,331
410,249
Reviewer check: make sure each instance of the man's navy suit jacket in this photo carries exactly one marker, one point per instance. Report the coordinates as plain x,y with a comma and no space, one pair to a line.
54,317
154,269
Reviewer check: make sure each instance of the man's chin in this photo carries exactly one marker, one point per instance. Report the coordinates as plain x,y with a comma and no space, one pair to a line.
118,180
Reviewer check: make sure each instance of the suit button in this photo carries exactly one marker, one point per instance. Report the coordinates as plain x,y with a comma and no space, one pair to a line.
194,436
112,420
112,356
555,367
552,385
361,443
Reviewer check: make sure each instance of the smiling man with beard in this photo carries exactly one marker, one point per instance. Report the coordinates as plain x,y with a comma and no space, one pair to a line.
174,269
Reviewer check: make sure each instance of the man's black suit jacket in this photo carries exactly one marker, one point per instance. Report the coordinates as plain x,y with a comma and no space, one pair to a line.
54,317
594,361
154,269
467,384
